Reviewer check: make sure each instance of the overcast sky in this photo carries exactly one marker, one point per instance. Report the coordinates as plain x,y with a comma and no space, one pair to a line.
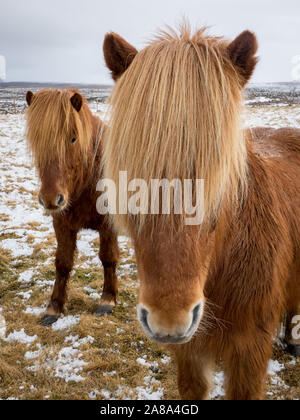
60,40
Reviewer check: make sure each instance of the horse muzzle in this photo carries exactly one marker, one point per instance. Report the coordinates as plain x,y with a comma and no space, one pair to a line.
54,203
163,332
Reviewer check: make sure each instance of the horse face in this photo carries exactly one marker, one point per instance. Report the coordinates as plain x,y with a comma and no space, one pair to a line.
58,171
60,181
54,194
173,270
173,273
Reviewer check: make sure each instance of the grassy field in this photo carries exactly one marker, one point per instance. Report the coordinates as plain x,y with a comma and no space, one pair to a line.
82,356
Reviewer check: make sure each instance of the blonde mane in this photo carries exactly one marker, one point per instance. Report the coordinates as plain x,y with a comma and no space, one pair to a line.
175,113
52,122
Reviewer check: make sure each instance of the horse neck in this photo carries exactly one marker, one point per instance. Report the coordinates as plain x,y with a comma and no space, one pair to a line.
233,217
92,168
97,143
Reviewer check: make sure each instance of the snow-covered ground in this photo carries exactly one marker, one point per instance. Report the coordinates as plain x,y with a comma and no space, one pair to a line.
83,356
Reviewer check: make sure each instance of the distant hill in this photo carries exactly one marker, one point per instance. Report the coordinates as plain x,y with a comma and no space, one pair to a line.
92,86
252,87
12,94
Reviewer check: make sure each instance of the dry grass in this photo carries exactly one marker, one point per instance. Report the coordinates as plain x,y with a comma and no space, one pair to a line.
118,339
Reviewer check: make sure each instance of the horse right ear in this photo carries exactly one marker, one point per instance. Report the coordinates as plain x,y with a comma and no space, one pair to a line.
118,54
242,53
29,97
77,101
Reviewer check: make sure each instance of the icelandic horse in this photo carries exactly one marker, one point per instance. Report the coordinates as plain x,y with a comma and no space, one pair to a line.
217,291
65,139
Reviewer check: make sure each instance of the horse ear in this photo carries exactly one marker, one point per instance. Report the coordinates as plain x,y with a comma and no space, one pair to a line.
242,54
29,97
118,54
77,101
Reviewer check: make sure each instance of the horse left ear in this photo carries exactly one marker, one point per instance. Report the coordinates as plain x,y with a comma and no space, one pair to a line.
77,101
242,54
118,54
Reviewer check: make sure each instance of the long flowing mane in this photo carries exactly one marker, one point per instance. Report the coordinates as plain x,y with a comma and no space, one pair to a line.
175,113
52,122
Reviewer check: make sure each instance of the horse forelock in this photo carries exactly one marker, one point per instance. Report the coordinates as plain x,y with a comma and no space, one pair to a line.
175,113
52,122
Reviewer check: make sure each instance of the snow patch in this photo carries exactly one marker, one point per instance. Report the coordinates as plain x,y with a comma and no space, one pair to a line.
35,311
25,295
30,355
218,391
147,394
65,323
26,276
165,360
20,337
275,367
69,365
76,342
16,248
106,394
113,373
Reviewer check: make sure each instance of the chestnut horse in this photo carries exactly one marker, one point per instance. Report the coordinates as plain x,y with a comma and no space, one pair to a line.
65,139
214,292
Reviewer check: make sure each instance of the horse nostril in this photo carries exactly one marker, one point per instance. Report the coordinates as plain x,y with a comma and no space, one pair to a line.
196,313
144,317
60,200
41,201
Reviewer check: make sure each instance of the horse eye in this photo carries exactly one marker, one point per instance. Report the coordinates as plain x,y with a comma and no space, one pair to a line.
73,141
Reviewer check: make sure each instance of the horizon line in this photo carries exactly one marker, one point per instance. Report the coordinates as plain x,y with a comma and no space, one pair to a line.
2,82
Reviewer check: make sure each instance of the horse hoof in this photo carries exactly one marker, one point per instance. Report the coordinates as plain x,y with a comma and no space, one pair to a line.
294,350
48,320
103,310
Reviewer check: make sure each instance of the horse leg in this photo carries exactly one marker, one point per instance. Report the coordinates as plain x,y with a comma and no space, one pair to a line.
246,366
66,245
109,256
292,334
194,373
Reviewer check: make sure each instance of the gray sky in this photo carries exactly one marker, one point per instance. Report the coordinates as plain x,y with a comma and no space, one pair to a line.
60,40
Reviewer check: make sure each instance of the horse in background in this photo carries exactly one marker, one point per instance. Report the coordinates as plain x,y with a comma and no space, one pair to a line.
214,292
65,139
